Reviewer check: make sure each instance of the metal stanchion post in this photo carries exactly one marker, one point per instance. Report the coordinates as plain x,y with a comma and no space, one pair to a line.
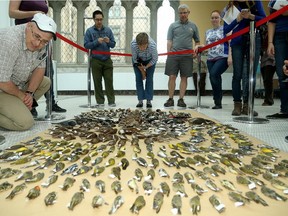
198,84
88,82
250,118
49,116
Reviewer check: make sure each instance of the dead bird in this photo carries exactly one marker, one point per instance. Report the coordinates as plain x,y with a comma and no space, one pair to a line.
195,204
116,186
51,180
117,203
5,186
256,198
76,199
85,185
68,182
176,204
133,185
98,201
138,204
16,190
164,188
158,201
33,192
50,199
35,178
100,184
216,203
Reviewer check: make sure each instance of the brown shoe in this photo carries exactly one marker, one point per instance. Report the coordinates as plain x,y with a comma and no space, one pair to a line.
237,109
245,110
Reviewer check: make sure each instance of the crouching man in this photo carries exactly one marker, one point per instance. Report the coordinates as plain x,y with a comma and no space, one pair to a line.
22,67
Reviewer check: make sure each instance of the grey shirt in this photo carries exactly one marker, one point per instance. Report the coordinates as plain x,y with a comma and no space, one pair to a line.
181,35
16,61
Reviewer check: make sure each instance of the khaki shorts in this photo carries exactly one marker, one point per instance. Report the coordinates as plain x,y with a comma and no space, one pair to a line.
184,64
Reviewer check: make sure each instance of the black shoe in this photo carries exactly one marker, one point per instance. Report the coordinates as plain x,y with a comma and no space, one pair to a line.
139,105
169,103
149,105
34,112
56,108
181,103
286,139
277,116
217,107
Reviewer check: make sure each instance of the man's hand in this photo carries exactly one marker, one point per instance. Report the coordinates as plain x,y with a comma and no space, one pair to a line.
28,100
285,67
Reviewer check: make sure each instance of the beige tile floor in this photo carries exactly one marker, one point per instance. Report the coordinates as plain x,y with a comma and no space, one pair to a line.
271,133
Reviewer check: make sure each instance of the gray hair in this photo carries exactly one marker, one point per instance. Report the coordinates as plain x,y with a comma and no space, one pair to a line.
183,6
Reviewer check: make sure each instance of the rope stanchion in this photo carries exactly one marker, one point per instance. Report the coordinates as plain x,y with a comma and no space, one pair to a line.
198,105
49,116
250,118
88,82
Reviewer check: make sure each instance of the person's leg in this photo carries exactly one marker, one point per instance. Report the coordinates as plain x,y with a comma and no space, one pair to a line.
14,115
183,86
149,83
108,81
267,73
139,84
281,54
97,72
216,69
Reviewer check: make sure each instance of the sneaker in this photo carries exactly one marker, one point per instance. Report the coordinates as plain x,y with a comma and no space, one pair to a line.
56,108
34,112
286,139
139,105
149,104
181,103
277,116
112,105
169,103
217,107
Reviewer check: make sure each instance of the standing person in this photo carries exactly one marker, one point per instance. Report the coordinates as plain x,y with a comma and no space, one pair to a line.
217,59
240,47
22,69
144,59
100,38
278,46
267,67
180,35
23,11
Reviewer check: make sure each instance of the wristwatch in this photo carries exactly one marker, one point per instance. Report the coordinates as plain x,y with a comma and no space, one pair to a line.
31,93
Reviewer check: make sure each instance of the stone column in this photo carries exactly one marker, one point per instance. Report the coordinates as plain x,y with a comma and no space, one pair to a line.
57,5
80,6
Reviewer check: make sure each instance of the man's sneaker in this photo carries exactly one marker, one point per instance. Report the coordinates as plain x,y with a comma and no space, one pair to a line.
34,112
100,105
181,103
149,104
139,105
169,103
112,105
56,108
286,139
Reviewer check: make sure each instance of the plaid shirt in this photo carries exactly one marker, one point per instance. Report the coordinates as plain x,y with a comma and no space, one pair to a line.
16,62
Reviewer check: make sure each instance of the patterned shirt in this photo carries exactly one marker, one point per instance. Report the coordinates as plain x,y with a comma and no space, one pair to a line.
219,51
17,62
148,54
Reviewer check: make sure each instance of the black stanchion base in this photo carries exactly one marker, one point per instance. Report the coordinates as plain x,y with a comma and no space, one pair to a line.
87,106
246,119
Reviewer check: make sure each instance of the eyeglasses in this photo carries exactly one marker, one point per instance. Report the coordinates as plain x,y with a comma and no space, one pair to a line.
38,38
183,12
98,20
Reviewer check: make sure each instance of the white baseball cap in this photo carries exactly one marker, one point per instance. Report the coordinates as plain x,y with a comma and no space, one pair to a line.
45,23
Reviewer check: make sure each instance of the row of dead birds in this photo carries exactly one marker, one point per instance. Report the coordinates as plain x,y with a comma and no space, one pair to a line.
150,126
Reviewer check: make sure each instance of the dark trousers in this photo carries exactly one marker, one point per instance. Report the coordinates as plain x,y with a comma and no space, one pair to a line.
268,72
202,83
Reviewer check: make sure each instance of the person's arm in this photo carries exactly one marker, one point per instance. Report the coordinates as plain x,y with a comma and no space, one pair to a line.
15,13
169,45
285,67
271,32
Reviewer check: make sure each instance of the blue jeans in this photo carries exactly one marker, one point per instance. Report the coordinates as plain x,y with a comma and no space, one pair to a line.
241,65
216,69
281,54
146,93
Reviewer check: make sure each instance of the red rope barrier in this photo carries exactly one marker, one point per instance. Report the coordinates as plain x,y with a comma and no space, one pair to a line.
243,31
